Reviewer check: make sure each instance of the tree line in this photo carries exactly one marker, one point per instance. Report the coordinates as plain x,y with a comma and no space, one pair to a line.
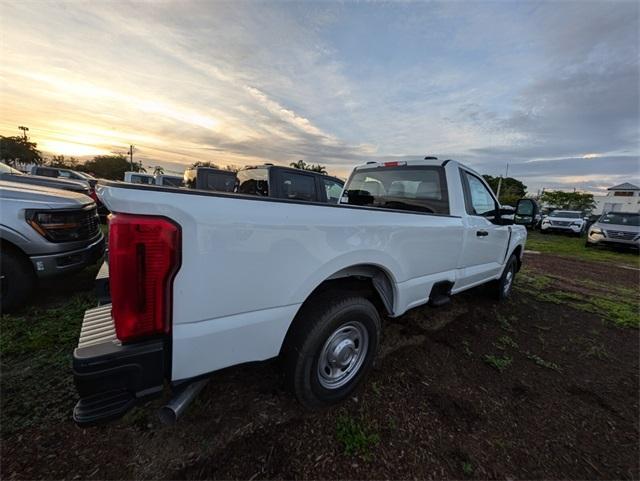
20,150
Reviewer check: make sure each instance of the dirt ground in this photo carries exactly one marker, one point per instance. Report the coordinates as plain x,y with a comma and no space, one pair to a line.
525,389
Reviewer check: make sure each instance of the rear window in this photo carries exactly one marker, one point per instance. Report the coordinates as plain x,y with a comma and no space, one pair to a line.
142,179
253,182
46,172
172,181
221,182
418,189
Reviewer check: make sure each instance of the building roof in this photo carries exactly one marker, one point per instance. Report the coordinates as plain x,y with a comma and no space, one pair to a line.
625,186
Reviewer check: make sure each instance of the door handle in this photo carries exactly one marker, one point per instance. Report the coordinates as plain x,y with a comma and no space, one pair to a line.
482,233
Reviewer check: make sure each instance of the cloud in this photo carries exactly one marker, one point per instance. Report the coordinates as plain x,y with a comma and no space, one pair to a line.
339,84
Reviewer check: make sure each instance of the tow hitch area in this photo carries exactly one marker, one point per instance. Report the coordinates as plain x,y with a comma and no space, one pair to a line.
112,377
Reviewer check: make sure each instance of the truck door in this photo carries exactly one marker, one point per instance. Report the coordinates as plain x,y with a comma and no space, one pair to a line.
485,241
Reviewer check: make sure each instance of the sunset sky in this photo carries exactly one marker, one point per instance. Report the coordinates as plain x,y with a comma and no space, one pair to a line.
550,87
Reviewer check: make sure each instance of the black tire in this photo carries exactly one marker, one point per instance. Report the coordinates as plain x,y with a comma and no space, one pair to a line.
504,285
16,280
317,324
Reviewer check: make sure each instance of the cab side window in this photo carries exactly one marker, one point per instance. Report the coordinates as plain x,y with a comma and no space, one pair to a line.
297,186
478,198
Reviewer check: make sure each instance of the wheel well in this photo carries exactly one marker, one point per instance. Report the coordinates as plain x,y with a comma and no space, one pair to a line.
517,252
10,246
367,281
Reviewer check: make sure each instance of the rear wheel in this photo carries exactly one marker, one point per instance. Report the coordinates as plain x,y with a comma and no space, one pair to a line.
504,285
331,348
16,279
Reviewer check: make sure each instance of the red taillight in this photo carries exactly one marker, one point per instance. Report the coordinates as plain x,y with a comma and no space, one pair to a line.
144,256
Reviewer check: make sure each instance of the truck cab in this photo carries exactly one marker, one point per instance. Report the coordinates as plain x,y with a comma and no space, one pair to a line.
209,178
269,180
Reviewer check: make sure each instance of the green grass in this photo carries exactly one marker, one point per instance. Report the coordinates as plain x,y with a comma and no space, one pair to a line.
36,347
542,363
355,436
565,245
498,363
618,306
504,342
40,329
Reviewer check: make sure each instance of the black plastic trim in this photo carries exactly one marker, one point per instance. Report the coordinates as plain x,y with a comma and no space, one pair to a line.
136,370
111,377
233,195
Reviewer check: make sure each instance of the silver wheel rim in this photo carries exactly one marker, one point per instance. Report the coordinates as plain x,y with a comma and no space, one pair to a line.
508,280
342,355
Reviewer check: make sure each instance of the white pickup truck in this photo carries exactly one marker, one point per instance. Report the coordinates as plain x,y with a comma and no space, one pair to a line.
205,280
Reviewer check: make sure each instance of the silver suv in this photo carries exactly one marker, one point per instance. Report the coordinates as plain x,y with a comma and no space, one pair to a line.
43,232
615,228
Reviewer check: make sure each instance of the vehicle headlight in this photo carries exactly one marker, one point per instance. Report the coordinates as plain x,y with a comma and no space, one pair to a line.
545,221
595,230
56,226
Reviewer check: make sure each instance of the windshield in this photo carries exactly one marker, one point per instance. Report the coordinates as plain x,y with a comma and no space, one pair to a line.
420,188
621,219
5,169
565,214
84,175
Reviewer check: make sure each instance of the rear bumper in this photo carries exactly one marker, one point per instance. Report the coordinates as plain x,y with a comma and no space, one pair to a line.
67,262
112,377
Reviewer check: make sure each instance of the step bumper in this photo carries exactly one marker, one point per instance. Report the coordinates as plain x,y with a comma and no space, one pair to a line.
112,377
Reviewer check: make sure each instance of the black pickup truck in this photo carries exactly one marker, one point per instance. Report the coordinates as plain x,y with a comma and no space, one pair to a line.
287,183
268,180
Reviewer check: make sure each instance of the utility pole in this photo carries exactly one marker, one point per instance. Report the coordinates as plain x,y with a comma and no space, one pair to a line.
24,131
506,174
131,156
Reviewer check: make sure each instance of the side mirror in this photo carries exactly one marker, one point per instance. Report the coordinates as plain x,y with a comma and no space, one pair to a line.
506,215
526,212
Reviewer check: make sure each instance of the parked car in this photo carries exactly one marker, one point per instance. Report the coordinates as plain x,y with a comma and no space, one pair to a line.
200,281
621,229
12,175
61,173
288,183
139,178
209,178
568,221
169,180
43,233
